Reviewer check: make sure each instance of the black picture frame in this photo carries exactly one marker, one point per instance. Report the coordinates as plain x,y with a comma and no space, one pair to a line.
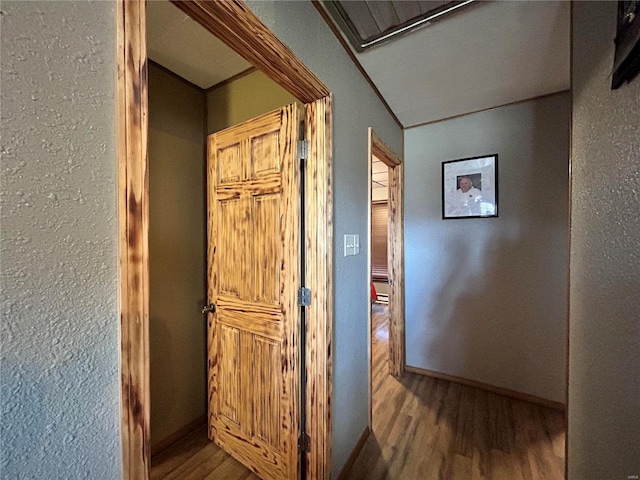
626,63
470,187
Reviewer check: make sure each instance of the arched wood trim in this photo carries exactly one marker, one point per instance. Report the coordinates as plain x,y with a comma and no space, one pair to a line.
242,30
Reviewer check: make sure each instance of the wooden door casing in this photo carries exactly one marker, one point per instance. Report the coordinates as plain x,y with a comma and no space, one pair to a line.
253,274
396,272
249,37
395,256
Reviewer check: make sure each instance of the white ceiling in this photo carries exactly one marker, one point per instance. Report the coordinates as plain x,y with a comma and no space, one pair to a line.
486,55
482,56
180,44
379,179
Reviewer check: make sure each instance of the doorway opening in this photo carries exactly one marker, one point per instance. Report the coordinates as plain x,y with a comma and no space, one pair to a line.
177,240
190,96
239,28
386,268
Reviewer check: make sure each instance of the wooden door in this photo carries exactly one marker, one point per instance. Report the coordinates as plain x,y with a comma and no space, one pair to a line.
253,275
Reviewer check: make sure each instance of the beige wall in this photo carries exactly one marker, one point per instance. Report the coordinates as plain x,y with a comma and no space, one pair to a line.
486,298
242,99
177,253
604,359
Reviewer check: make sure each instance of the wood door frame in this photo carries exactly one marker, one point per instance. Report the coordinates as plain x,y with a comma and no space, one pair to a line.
395,260
237,26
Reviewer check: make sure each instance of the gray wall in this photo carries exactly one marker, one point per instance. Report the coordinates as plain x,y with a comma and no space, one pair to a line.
604,374
59,361
356,107
177,253
486,299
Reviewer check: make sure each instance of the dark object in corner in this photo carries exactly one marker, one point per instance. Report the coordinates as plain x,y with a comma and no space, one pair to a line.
626,64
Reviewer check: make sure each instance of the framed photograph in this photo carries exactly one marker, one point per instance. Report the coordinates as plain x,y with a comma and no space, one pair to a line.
626,62
470,187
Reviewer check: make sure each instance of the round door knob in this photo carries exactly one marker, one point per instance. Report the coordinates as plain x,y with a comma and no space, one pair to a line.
211,308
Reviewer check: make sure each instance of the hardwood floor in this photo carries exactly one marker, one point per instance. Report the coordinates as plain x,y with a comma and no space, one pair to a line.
423,429
430,429
196,458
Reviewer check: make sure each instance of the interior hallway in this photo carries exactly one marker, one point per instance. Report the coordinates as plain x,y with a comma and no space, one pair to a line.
423,428
430,429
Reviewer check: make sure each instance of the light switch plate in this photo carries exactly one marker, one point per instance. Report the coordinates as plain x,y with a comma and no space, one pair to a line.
351,244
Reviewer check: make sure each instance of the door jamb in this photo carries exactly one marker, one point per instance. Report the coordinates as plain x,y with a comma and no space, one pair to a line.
395,247
237,26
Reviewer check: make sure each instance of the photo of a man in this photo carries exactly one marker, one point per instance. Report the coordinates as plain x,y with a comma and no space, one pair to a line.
470,187
468,197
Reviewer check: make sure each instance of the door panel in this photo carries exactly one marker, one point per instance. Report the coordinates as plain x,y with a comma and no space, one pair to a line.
266,377
266,249
254,262
264,155
229,164
231,240
229,392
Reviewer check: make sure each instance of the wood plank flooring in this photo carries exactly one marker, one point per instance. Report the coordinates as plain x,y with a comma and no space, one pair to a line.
431,429
196,458
423,429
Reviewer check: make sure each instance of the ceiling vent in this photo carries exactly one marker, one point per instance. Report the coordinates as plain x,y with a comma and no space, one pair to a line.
371,22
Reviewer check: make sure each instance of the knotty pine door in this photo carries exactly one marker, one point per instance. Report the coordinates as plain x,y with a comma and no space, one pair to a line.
253,277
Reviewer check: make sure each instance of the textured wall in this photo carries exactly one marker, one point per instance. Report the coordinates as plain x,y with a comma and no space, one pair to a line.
356,107
242,99
177,253
604,375
59,361
486,299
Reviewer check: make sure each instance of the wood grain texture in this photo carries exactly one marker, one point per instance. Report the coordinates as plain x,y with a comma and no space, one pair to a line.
254,273
196,458
396,271
424,428
395,252
381,150
233,23
319,277
433,429
133,234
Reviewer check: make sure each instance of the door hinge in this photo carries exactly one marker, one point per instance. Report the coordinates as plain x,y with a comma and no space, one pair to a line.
304,443
303,149
304,297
